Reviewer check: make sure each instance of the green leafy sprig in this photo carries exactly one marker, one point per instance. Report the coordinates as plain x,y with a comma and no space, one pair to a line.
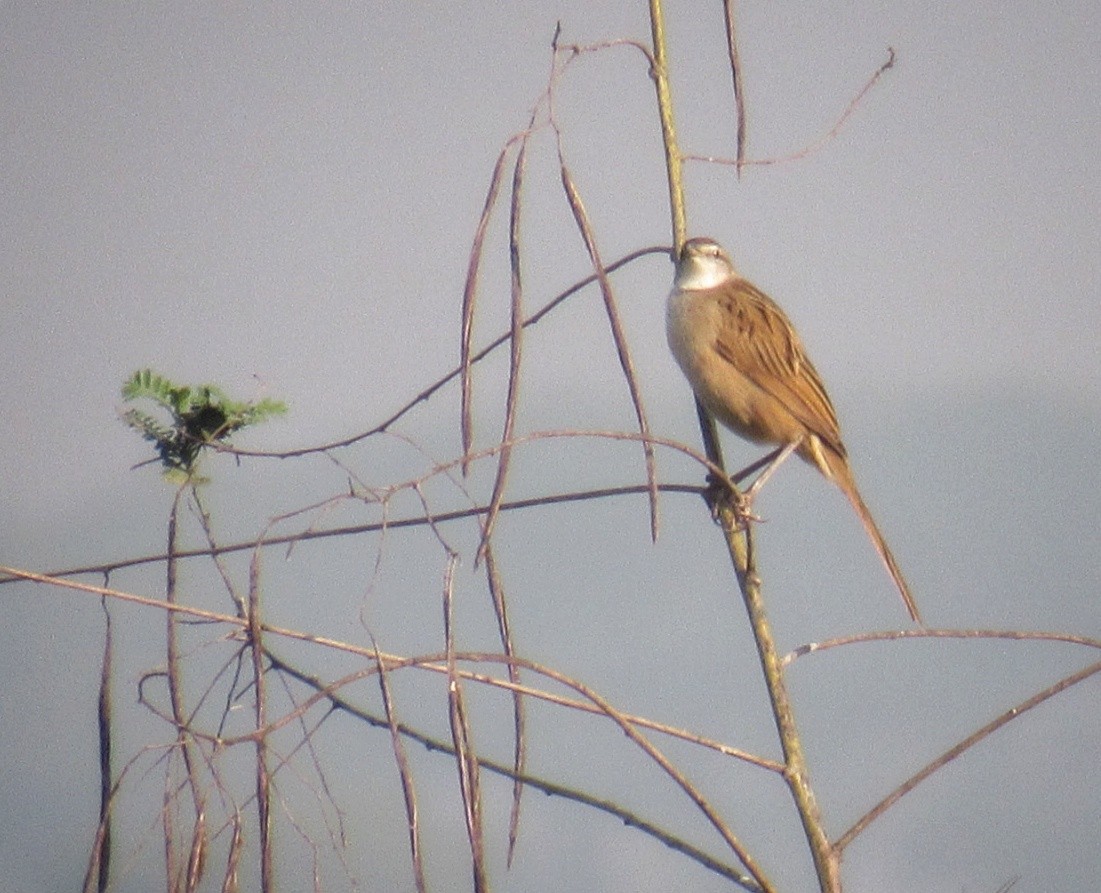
198,416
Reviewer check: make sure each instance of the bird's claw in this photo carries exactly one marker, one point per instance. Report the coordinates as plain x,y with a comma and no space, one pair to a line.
720,495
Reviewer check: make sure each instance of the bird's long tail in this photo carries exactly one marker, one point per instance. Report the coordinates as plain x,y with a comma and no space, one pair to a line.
843,477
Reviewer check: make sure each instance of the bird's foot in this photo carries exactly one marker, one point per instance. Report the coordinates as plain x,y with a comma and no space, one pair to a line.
726,502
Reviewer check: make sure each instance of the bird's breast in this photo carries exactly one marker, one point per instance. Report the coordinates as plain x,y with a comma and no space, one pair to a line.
693,322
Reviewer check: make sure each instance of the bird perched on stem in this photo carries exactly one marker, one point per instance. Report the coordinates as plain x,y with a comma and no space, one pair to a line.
748,368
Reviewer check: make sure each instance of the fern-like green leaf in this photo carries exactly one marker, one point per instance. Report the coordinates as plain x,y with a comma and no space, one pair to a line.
199,416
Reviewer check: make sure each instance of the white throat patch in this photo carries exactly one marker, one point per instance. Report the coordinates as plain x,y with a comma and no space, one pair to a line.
699,273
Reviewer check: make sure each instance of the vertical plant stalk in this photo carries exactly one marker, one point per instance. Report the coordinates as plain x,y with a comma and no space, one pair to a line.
263,777
485,549
674,167
581,218
739,537
738,83
466,761
516,317
408,788
470,294
197,849
673,163
230,881
102,858
519,751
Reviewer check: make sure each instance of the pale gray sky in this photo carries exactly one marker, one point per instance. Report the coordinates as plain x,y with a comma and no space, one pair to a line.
281,199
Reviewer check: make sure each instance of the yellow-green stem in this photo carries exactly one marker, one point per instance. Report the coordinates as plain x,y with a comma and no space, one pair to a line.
740,544
673,162
739,537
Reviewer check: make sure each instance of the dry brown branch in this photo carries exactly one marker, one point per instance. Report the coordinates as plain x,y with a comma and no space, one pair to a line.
435,663
966,744
759,880
196,857
465,762
101,858
581,219
572,51
830,135
428,392
623,351
548,787
740,539
338,836
408,789
516,316
470,293
601,707
738,83
194,869
12,574
519,753
738,530
468,761
498,657
208,532
164,753
926,633
263,778
230,882
539,110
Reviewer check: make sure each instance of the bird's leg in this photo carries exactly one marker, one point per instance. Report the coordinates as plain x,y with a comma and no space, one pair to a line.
719,490
740,476
771,462
775,460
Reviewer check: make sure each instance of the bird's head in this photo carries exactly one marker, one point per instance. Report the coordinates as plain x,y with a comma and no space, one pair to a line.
703,264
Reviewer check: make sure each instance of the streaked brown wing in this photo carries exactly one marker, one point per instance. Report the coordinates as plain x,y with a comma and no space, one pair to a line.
759,341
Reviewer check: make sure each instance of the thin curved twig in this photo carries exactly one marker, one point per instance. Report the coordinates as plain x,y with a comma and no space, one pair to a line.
548,787
738,83
926,633
830,135
429,391
966,744
424,519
